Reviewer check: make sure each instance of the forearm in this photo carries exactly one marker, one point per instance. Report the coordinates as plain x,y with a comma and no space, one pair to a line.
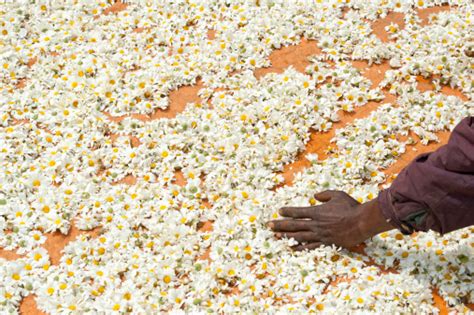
372,221
436,191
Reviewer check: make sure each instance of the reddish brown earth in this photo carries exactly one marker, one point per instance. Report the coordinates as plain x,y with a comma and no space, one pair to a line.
319,143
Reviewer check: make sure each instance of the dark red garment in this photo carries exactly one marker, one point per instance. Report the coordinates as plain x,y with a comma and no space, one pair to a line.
436,190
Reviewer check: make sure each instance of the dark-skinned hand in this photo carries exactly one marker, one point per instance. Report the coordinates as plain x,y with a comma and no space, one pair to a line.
340,220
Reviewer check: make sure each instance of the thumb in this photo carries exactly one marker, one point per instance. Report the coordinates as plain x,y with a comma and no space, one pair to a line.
326,195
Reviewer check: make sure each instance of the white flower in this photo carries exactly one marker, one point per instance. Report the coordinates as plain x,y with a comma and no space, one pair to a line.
60,166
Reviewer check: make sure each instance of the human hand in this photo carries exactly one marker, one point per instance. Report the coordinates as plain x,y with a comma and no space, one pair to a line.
341,220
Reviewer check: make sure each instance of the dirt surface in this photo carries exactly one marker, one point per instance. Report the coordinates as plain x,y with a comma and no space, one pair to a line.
319,143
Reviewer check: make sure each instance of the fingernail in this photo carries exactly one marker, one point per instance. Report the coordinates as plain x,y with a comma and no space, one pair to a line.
270,225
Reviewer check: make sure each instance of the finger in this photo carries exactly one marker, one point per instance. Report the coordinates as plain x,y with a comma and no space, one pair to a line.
309,246
327,195
289,225
297,212
308,237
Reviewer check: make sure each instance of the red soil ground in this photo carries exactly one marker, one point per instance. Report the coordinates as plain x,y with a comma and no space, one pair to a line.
319,143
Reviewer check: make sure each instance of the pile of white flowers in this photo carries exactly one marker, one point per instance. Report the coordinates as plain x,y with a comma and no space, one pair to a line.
66,67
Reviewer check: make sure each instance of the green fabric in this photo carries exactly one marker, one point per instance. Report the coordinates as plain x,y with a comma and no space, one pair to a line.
416,218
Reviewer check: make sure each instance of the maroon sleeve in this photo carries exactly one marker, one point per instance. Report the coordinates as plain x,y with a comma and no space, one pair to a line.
436,190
